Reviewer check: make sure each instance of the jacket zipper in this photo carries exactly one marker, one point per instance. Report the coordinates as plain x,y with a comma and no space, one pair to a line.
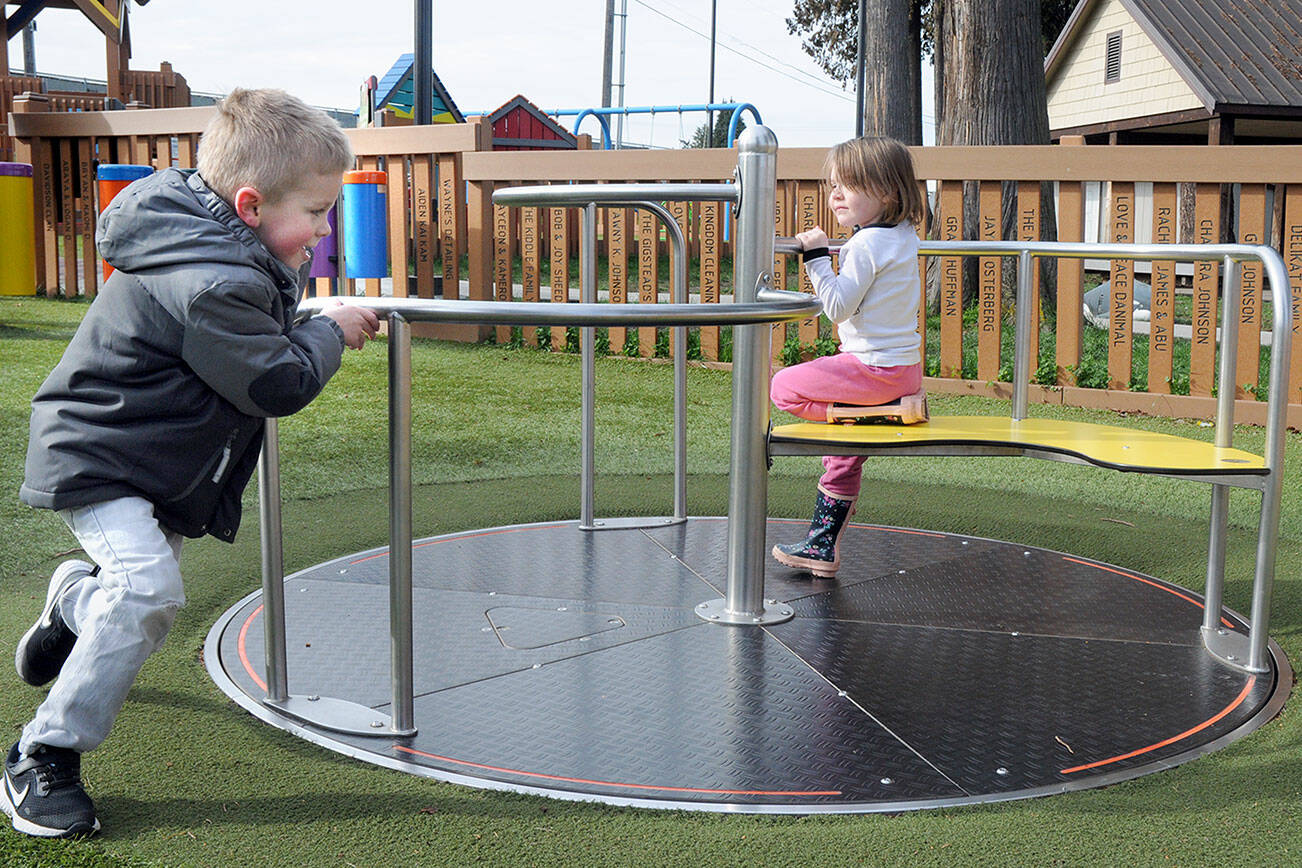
226,458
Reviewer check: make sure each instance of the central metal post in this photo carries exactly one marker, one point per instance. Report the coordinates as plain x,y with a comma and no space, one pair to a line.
748,467
400,617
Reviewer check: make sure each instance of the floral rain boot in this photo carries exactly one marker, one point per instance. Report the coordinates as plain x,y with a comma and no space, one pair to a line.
818,552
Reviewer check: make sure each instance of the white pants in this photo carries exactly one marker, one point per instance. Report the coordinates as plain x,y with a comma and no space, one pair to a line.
120,615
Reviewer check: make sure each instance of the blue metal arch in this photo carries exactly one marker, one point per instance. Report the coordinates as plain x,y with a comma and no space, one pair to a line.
601,118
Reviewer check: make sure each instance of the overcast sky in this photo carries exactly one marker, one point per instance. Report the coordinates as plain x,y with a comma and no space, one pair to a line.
485,53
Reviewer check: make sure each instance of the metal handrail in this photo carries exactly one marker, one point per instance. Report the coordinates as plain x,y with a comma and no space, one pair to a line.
775,306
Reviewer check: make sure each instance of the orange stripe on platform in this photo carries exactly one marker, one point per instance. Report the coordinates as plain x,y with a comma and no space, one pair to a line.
244,658
1157,585
1238,700
432,756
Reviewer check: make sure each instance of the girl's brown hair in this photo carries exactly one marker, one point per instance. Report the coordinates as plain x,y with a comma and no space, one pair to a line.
882,166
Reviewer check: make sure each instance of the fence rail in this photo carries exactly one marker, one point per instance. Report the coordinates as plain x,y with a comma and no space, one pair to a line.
447,239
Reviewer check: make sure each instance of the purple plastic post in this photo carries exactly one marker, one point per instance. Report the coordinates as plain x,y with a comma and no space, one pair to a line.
325,256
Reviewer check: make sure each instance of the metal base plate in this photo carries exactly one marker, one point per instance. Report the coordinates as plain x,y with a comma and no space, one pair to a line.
934,670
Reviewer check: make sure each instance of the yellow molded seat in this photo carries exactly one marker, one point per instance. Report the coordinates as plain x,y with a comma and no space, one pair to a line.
1120,448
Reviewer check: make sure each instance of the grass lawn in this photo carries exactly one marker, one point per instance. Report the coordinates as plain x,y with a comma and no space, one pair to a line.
189,778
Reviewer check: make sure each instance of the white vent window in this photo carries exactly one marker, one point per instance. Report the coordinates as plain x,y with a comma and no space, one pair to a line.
1112,63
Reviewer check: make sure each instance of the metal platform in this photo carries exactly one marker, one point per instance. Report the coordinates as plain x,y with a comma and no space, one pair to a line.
935,670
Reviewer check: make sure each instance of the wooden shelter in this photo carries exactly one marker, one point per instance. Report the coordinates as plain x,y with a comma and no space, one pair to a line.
123,85
519,125
1193,72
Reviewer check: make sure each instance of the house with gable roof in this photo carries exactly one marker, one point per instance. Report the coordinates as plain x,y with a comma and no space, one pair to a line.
1178,72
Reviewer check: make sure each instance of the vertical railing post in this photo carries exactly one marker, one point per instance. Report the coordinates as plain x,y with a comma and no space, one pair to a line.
748,467
400,616
1023,366
1218,520
587,354
273,563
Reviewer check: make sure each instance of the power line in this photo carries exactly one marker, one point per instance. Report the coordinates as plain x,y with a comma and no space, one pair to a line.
813,78
820,86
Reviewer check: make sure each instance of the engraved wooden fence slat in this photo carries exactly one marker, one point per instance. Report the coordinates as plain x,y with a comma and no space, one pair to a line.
1292,251
784,221
1252,230
1161,320
1028,229
1071,227
1206,289
809,205
617,226
395,195
648,275
990,283
560,270
710,232
1122,289
530,266
951,281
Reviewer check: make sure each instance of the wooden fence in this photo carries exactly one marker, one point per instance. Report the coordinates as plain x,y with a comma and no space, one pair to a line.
441,180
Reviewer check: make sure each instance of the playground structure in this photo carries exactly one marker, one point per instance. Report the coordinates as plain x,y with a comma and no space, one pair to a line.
603,114
394,92
576,659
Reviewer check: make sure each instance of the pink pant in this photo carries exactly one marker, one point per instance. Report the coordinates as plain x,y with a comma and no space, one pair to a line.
806,390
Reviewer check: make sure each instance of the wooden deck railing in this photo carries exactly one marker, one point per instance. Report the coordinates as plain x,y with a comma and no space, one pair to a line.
441,180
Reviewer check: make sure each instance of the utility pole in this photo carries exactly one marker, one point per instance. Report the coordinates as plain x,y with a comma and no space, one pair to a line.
29,50
608,55
860,70
422,108
623,41
709,113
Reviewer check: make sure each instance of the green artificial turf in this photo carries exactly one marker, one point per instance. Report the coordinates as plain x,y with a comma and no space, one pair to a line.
189,778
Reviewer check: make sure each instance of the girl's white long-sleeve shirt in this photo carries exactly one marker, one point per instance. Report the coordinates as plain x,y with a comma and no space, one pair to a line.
874,297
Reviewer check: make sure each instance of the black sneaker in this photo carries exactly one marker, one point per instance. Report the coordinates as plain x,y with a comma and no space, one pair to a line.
43,793
49,641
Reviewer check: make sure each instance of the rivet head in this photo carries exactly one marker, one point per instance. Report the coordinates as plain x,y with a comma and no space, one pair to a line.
313,698
1001,771
377,724
888,781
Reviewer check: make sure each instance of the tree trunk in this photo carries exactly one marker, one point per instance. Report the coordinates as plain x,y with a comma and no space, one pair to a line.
893,80
991,62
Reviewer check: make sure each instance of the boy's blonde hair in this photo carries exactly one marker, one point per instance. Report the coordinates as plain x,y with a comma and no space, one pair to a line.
269,140
883,167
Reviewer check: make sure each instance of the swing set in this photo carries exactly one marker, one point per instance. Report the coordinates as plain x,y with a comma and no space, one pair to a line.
603,115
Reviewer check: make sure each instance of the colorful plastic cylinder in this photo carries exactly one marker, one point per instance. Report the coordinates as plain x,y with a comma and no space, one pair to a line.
17,230
112,178
325,256
366,239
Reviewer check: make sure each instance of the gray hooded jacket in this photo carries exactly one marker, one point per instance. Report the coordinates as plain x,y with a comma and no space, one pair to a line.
163,390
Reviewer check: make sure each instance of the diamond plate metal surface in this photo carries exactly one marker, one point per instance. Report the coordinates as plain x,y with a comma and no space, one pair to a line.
975,702
936,669
687,716
867,552
1020,589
